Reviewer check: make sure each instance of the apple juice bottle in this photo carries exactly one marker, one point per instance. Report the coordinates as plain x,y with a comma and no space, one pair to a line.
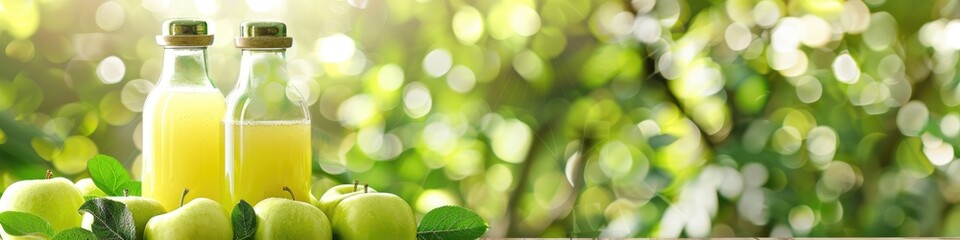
267,125
182,132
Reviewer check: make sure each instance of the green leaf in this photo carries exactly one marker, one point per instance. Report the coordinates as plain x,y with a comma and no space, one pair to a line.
88,198
244,221
662,140
108,174
451,223
133,186
111,219
75,234
21,224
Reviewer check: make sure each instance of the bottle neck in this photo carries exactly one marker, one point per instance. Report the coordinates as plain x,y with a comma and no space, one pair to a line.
263,90
185,67
260,66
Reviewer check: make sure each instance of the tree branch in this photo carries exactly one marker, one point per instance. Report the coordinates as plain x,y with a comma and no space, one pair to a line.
513,203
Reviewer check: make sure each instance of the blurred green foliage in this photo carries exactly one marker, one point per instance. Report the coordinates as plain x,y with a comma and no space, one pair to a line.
551,118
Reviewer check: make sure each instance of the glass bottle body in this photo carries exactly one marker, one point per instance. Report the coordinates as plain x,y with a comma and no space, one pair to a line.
267,131
182,133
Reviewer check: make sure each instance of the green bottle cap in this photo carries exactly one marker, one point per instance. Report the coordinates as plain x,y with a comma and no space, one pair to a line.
263,34
184,32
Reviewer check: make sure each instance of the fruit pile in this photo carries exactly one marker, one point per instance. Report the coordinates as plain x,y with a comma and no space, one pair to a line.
106,206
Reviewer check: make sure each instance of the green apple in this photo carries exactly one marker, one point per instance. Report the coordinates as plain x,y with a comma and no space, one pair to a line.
334,195
143,209
201,218
313,200
53,199
281,218
372,215
88,188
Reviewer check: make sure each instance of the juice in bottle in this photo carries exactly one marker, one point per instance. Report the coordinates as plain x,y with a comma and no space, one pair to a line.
269,160
182,131
267,125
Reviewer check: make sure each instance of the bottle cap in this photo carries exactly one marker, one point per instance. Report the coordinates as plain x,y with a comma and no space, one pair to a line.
184,32
263,34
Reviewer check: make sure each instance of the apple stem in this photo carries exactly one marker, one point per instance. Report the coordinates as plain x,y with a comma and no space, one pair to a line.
126,192
49,174
184,196
292,197
365,186
356,183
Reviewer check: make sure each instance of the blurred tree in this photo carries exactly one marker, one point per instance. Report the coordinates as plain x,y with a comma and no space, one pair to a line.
551,118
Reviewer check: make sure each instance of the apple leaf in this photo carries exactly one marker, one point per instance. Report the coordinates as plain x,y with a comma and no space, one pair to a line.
111,219
108,174
75,234
451,223
244,221
21,223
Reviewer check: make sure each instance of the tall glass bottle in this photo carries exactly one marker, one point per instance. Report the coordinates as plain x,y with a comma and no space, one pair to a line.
182,132
267,125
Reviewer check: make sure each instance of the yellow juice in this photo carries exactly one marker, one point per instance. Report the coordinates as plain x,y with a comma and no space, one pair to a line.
183,146
268,156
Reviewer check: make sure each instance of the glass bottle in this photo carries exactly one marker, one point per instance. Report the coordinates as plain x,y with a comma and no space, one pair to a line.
267,124
182,132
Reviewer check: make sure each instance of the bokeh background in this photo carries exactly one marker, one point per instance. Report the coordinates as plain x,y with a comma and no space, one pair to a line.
550,118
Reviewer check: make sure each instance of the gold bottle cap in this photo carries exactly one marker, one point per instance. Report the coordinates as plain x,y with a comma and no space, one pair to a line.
262,34
184,32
